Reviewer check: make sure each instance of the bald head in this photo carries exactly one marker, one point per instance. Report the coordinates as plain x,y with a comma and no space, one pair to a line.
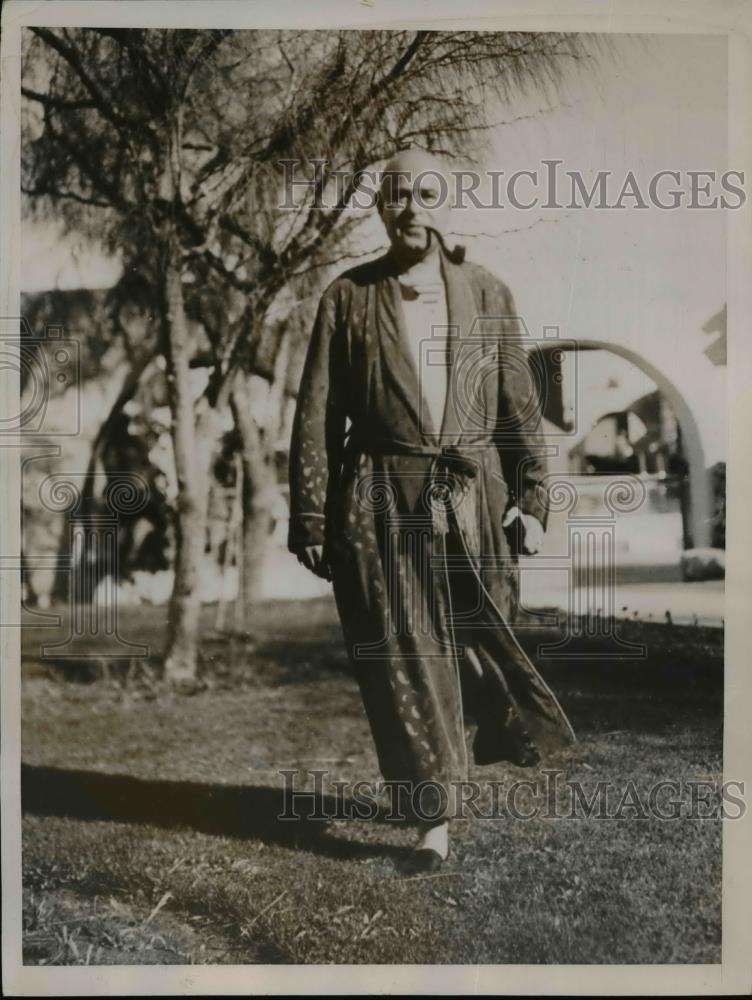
413,200
413,162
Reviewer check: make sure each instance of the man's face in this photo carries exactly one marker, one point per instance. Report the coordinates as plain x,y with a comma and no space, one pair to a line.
411,201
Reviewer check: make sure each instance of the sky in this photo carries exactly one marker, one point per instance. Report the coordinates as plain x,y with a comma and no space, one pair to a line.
661,104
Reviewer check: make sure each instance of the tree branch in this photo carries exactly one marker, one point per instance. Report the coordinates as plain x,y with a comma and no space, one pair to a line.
61,193
56,102
102,102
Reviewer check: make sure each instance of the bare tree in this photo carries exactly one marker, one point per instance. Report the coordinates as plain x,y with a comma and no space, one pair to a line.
172,146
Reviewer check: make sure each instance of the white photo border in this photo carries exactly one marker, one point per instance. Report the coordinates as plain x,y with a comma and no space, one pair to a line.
732,18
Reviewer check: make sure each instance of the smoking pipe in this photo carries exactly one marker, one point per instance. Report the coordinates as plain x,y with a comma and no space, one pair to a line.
456,254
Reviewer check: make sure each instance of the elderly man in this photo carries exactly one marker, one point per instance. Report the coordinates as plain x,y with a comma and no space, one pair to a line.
416,458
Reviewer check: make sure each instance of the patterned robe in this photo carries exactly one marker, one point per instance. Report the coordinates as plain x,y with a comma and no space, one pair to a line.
410,517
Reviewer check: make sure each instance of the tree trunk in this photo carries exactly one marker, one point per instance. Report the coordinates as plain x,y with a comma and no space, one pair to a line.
193,442
258,491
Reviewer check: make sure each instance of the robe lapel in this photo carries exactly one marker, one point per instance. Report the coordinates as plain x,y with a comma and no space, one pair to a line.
461,311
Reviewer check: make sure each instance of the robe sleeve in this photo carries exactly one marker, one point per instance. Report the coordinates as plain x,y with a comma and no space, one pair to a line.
318,429
519,428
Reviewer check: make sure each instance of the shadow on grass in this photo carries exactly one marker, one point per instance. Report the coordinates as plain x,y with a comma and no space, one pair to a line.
228,660
249,812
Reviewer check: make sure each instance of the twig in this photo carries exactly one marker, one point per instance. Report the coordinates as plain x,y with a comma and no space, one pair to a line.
158,907
267,907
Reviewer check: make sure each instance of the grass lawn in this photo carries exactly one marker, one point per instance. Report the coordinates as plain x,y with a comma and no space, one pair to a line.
151,832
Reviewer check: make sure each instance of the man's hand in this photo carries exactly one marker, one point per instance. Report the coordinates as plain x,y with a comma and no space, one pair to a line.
312,557
532,528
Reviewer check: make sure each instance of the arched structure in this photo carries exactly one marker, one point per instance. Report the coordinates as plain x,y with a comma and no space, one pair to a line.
700,486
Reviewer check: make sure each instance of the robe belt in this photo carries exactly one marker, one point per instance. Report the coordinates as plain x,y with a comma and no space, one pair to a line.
451,455
456,497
